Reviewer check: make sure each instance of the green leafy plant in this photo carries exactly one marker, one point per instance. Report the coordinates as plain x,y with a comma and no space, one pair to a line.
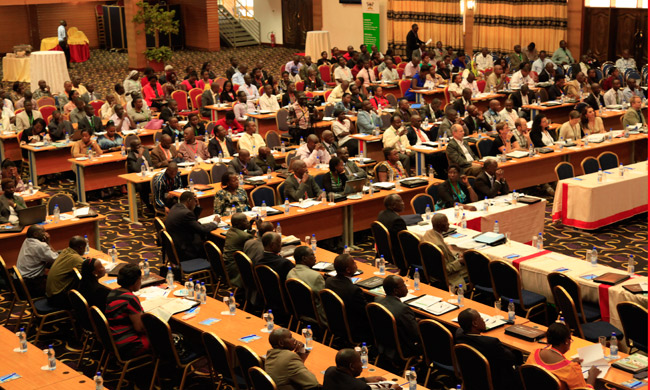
156,21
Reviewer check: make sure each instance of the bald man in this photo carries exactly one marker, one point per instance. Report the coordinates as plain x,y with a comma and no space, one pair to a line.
244,164
491,182
455,265
285,362
393,222
313,152
272,243
163,153
344,374
254,248
329,142
300,185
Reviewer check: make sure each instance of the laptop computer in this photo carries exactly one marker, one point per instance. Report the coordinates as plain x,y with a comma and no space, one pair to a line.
27,216
354,186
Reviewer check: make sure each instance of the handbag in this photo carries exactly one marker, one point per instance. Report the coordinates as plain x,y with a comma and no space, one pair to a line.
154,124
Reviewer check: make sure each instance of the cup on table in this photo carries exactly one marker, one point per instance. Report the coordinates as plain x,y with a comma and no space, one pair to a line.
307,240
497,309
603,342
508,242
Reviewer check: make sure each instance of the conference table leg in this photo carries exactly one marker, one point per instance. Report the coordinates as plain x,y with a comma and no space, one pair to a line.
96,238
33,175
420,163
213,115
2,150
363,147
80,182
133,202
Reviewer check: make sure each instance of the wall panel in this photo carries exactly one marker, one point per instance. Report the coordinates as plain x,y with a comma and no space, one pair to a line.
13,27
79,15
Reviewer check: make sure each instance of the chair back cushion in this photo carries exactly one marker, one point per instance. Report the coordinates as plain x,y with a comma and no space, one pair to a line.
474,368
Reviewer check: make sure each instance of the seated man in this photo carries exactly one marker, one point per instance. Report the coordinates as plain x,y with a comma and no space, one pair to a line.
305,259
163,184
221,144
313,152
634,115
164,153
254,248
285,362
90,121
352,170
191,149
451,118
351,294
475,121
182,224
392,221
272,243
491,182
459,152
407,325
34,257
61,278
329,142
137,157
463,102
266,160
344,374
250,140
10,203
502,360
300,185
8,170
244,165
455,265
367,119
396,137
235,239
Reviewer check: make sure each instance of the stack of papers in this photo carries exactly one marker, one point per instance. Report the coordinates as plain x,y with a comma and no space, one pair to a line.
305,203
491,323
384,185
593,356
380,291
166,308
517,154
433,305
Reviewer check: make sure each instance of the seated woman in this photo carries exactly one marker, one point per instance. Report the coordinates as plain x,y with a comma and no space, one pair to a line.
335,179
139,113
392,168
36,133
590,123
228,93
455,189
111,140
505,142
552,358
199,128
95,293
124,313
230,195
539,133
80,148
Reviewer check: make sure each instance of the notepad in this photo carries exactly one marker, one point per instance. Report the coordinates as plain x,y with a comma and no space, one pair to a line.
591,356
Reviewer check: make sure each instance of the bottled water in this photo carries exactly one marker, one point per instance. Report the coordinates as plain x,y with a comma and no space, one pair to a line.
22,340
486,204
364,355
460,295
515,195
241,179
431,175
302,141
313,243
511,311
496,227
613,347
176,142
286,205
561,143
143,170
278,229
412,378
463,222
283,147
621,170
30,187
220,157
191,184
398,185
600,175
229,132
630,265
456,211
189,286
87,250
540,241
67,138
232,305
594,257
269,321
233,210
371,189
309,338
382,265
99,381
57,213
263,209
113,254
170,277
531,150
346,250
534,241
562,321
416,280
145,269
51,359
123,151
203,294
427,212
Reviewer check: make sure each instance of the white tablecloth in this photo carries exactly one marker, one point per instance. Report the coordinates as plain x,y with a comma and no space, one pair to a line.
51,67
317,42
15,69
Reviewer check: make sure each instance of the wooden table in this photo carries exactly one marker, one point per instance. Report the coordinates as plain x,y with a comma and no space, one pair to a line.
60,234
100,172
557,113
392,88
10,147
35,198
426,96
218,110
46,160
264,122
628,150
370,146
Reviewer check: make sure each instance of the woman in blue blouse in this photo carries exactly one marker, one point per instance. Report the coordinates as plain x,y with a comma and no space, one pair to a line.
417,82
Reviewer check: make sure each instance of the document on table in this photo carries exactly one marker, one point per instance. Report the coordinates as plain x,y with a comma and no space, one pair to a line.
490,322
593,355
380,291
210,218
305,203
165,308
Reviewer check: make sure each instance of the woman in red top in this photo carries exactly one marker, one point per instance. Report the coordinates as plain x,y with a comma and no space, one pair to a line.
379,100
205,81
191,82
613,73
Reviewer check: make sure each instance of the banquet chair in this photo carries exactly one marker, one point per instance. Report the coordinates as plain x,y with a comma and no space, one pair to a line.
564,170
590,165
217,171
65,202
438,347
478,271
263,194
274,294
303,304
219,270
434,265
248,277
220,362
260,379
608,160
587,311
535,377
473,367
408,243
337,318
199,176
247,358
420,202
384,330
634,318
506,283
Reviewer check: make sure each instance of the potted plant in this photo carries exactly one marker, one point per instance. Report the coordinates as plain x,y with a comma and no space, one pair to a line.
156,21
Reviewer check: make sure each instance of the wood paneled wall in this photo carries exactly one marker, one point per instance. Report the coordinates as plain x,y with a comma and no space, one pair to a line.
201,23
608,31
14,28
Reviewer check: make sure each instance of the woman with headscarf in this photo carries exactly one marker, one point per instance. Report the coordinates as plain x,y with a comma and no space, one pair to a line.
91,271
132,84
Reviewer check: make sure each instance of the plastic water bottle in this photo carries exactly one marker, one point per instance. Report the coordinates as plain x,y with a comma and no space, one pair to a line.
30,187
630,265
346,250
146,271
416,280
562,321
123,151
534,241
278,229
191,185
233,210
313,243
269,321
613,347
463,222
263,209
170,277
412,378
99,381
427,212
230,132
308,334
302,141
22,340
594,257
57,213
621,170
87,250
431,175
382,265
486,204
51,359
496,227
515,195
371,189
458,387
287,206
113,254
67,138
511,311
364,356
460,295
189,286
531,150
561,143
600,175
283,147
143,170
232,305
203,294
456,211
241,179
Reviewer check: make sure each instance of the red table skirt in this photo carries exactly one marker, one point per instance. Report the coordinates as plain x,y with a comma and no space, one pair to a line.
78,53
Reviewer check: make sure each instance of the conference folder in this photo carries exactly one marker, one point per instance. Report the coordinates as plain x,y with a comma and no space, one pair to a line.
637,288
611,278
525,332
491,238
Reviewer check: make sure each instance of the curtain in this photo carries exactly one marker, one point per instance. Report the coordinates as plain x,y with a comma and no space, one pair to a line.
439,20
499,25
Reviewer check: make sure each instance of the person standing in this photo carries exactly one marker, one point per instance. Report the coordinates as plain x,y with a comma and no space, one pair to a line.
63,41
413,42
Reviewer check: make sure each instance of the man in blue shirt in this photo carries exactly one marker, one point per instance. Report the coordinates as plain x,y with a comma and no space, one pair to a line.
367,119
63,41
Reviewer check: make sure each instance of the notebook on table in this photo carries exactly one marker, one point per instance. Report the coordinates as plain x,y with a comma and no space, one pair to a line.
611,278
525,332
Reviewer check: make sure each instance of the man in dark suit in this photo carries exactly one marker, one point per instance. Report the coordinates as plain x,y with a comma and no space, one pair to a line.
182,223
394,223
233,68
548,73
90,121
265,159
595,98
209,97
463,102
344,374
91,95
243,164
475,120
300,185
413,42
169,111
351,294
502,360
491,182
556,91
459,152
407,325
216,144
272,243
522,97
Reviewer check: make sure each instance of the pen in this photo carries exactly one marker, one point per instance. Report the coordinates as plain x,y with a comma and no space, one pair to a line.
6,377
403,384
248,337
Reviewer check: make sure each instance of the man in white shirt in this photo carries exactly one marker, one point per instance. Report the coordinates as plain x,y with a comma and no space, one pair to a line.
293,66
396,137
342,72
484,60
238,76
625,62
540,63
63,40
367,74
522,77
268,101
251,91
250,140
313,152
509,114
107,110
470,83
243,106
389,73
412,68
121,119
34,257
25,119
337,93
615,94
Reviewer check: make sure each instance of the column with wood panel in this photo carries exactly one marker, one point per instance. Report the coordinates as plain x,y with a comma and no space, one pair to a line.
135,37
575,22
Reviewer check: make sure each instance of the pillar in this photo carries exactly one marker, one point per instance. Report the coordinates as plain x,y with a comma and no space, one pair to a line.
136,42
468,36
575,21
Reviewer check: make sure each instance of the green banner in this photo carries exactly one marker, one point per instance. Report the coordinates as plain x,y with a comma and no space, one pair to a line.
371,23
